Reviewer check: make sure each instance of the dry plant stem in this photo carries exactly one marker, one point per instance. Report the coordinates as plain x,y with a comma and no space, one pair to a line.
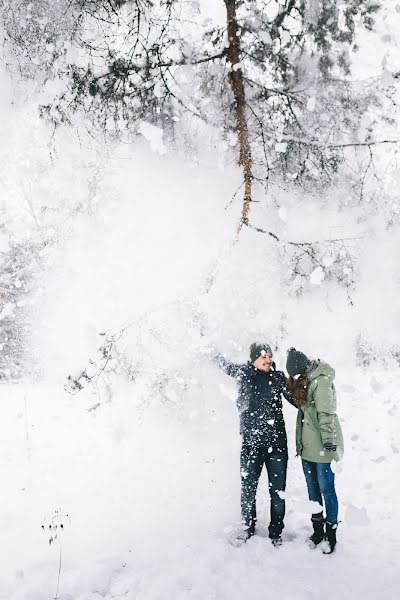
236,82
59,574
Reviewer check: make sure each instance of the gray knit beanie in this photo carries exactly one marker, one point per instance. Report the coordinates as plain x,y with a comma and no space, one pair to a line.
297,362
257,350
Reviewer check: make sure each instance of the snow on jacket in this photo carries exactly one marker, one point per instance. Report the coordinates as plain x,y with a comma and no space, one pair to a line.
259,403
317,422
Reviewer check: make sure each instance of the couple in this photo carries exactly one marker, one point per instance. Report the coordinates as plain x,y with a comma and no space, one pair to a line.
319,439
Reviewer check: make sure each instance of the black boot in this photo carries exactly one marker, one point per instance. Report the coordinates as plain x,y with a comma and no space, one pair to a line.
318,534
243,537
276,542
330,537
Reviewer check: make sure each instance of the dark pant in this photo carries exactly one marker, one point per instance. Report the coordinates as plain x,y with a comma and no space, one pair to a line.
252,460
320,481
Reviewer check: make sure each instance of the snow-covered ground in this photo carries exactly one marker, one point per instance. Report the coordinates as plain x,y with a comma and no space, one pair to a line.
152,497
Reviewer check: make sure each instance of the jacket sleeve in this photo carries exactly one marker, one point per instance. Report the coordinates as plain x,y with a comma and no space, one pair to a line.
325,404
230,368
285,390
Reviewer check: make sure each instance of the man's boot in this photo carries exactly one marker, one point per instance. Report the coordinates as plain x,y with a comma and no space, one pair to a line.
319,533
330,537
276,542
243,537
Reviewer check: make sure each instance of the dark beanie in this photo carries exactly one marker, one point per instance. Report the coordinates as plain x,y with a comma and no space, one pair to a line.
296,363
256,350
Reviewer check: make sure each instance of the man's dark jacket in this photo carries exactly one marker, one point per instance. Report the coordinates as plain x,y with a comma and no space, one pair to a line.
260,403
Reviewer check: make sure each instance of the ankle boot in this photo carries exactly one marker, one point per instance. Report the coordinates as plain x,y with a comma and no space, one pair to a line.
319,532
242,538
330,537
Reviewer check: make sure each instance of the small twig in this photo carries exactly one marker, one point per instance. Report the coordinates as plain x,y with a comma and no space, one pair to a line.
59,574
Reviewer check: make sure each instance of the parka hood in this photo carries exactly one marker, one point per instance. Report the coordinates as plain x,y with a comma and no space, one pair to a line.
322,369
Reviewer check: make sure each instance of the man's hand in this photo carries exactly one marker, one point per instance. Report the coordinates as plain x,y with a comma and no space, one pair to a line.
330,447
204,348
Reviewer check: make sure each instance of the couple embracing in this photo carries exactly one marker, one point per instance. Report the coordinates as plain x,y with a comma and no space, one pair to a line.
319,439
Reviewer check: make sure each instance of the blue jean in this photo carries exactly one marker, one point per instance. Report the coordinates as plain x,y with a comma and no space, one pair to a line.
320,481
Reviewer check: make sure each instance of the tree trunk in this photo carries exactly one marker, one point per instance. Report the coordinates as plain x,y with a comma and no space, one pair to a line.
236,82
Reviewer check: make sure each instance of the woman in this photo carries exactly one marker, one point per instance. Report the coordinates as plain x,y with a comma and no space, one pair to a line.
319,438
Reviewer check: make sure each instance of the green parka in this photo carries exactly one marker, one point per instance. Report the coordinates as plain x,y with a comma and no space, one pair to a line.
317,422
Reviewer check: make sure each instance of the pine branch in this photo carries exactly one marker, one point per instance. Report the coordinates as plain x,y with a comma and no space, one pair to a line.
136,68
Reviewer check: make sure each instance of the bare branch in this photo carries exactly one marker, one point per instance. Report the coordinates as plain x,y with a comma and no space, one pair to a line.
315,143
303,244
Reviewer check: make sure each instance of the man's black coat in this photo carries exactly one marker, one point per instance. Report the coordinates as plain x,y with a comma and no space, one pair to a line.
260,404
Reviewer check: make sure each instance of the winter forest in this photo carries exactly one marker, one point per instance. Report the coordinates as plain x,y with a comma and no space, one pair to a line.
181,178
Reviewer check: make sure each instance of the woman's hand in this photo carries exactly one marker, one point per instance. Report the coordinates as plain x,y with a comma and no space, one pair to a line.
330,447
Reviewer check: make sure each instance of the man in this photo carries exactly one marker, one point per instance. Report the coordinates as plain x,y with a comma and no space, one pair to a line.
264,440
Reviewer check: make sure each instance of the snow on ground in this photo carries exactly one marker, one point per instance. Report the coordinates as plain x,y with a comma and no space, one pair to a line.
152,497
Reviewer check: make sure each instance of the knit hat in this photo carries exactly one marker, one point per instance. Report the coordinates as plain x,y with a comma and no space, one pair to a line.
297,362
257,350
